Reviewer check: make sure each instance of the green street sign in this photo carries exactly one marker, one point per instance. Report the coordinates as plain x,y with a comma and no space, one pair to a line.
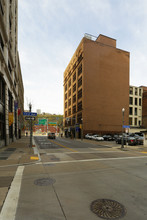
52,123
42,121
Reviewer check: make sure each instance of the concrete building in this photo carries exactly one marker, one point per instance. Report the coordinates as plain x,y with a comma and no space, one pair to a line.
11,84
96,88
135,106
144,107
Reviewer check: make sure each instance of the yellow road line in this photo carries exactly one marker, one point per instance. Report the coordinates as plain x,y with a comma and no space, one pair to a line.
144,152
63,146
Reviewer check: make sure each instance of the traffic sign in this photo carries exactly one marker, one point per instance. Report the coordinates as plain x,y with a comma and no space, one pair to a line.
30,118
126,126
52,123
30,113
42,121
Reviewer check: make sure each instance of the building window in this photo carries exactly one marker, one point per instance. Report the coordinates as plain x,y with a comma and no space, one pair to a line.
131,100
79,118
79,82
69,111
74,120
130,111
74,109
139,102
69,92
2,109
69,102
65,104
65,87
80,70
80,106
135,121
69,83
1,42
135,101
74,67
80,58
131,90
65,96
74,77
136,91
135,111
74,87
65,113
74,98
130,121
1,8
140,92
80,94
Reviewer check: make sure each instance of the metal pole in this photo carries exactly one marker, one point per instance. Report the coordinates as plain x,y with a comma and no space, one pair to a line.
30,106
122,144
81,128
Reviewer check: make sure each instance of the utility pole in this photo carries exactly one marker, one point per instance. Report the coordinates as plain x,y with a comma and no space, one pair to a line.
30,108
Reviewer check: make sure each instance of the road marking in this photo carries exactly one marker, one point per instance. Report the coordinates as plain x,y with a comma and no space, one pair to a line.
91,160
144,152
63,146
9,208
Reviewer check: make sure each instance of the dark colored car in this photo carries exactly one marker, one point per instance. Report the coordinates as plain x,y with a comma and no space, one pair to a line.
132,141
51,136
140,140
119,139
108,138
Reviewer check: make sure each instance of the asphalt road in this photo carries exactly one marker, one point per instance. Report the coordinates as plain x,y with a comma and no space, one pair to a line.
77,181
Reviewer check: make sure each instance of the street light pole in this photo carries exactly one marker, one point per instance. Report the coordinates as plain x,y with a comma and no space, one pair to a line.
81,128
122,143
30,108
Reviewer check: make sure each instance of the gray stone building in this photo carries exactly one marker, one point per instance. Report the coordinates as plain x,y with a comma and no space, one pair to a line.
11,83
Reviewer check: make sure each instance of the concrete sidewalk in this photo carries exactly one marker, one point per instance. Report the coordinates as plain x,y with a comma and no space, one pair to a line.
15,154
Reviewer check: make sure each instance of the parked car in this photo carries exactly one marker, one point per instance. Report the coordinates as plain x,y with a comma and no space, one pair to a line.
108,138
88,136
119,139
51,136
131,140
97,137
140,140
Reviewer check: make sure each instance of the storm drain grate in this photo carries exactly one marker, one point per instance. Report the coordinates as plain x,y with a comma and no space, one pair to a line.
108,209
44,181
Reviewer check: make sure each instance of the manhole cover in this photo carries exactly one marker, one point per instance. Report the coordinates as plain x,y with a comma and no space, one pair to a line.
108,209
44,181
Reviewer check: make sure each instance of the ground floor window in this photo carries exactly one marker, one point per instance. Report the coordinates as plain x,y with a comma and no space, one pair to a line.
2,109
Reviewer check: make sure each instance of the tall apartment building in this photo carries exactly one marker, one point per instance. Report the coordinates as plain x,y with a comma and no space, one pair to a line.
11,84
96,88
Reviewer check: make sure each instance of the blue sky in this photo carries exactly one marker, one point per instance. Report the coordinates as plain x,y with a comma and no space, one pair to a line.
49,32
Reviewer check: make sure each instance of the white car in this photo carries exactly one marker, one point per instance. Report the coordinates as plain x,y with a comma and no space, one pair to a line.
97,138
88,136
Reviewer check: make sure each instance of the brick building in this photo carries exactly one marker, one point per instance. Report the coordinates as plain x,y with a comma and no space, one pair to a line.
96,88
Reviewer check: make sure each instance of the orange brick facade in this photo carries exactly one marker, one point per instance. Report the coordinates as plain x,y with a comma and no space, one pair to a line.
96,88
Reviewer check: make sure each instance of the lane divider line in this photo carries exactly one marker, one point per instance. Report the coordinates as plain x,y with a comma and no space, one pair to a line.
10,205
63,146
